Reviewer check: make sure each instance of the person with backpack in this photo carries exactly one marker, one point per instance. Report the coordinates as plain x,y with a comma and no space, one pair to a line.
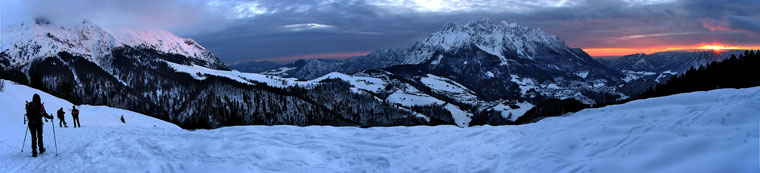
75,115
35,111
61,119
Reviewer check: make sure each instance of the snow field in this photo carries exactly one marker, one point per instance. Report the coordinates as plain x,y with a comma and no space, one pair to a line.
714,131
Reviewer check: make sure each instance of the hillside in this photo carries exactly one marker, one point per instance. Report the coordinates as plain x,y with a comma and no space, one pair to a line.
734,72
473,74
713,131
141,71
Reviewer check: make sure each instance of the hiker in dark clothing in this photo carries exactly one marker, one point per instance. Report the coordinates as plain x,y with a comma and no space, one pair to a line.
35,111
122,120
75,115
61,119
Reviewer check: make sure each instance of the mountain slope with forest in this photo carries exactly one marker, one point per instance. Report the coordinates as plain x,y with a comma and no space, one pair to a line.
679,133
140,76
734,72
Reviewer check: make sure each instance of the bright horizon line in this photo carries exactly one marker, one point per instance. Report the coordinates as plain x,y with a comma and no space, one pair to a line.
617,52
593,52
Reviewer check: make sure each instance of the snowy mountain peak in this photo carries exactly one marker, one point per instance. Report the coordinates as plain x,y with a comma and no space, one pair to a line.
27,42
481,24
496,39
450,26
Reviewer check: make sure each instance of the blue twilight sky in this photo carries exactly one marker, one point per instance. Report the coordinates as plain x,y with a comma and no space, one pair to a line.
237,30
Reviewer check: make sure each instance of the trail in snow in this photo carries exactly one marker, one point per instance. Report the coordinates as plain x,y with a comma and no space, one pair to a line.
715,131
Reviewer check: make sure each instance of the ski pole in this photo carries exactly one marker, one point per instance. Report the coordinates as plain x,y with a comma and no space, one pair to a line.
24,144
55,141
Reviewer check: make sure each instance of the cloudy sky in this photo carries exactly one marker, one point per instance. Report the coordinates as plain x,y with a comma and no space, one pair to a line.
239,30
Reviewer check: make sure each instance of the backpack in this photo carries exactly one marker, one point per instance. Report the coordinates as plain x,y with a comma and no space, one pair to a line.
34,112
61,114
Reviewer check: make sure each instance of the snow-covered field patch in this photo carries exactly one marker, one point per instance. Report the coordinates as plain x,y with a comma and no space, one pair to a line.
449,88
525,84
664,74
515,113
200,73
633,75
409,99
279,71
360,83
582,74
461,118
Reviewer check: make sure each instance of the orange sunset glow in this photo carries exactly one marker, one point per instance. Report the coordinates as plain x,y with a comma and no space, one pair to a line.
602,52
717,47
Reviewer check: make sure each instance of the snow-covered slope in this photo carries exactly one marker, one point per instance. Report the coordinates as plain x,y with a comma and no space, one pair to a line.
199,72
449,88
156,73
31,41
164,76
714,131
404,95
14,97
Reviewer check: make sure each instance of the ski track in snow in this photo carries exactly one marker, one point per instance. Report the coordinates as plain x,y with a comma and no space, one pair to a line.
715,131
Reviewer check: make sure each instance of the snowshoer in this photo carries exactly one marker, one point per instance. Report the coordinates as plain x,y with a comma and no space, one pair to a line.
122,120
75,115
35,111
61,119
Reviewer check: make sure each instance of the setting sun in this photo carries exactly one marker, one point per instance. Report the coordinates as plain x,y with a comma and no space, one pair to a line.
716,47
711,47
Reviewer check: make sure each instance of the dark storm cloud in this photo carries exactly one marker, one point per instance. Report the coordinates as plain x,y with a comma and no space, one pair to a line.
344,27
746,23
352,26
361,26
